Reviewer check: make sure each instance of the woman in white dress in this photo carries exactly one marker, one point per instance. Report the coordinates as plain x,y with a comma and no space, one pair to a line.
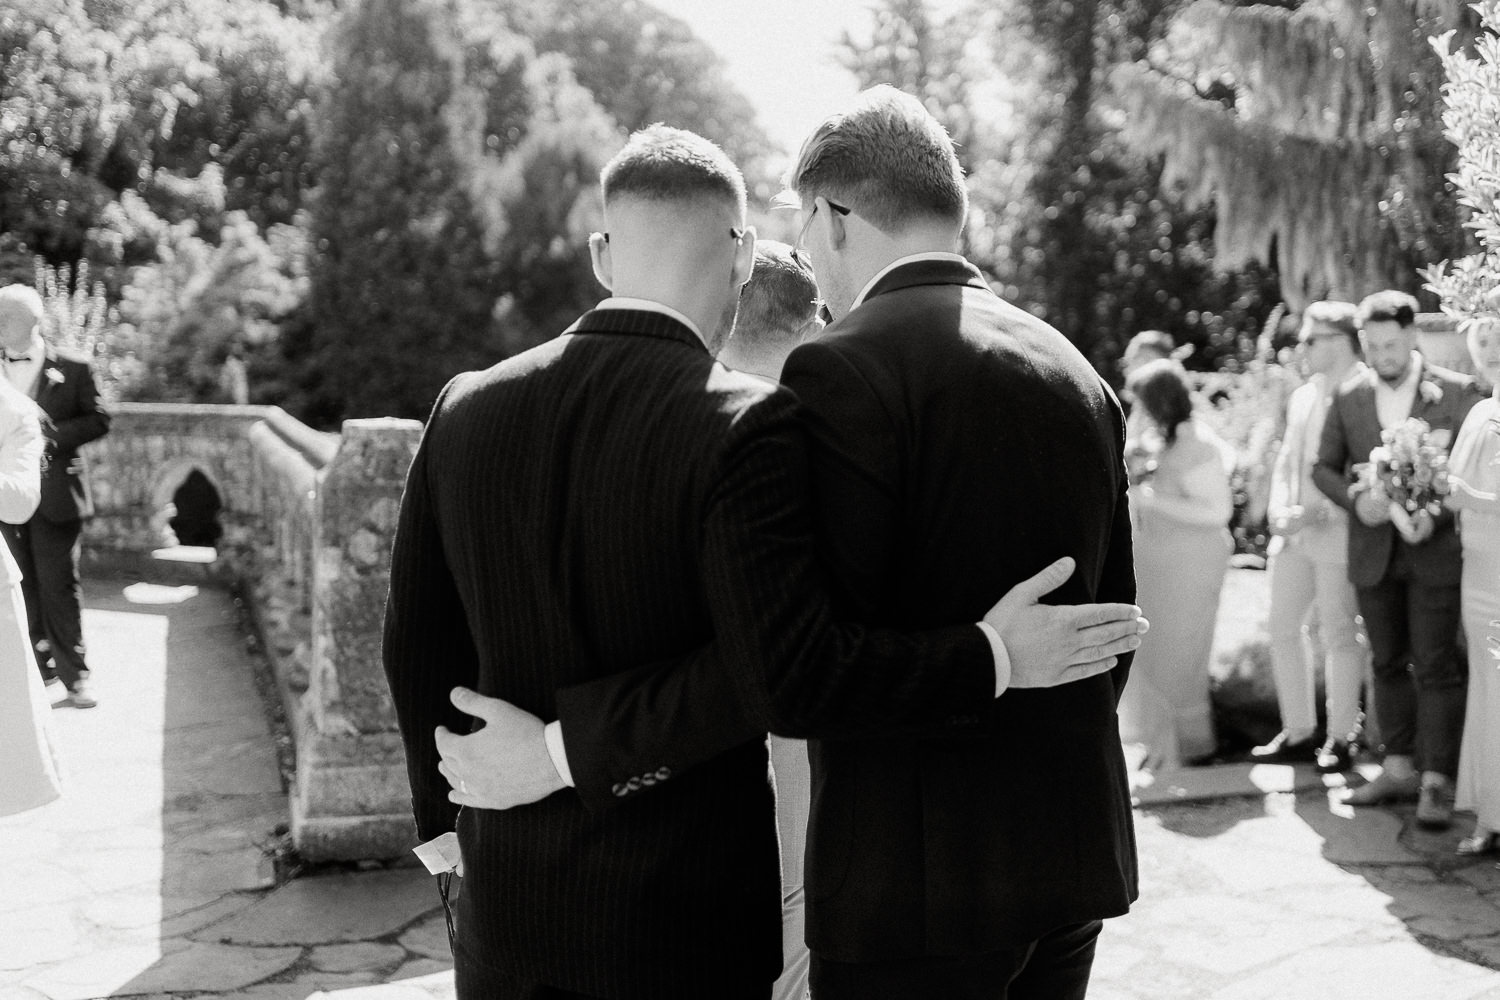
28,774
1475,480
1182,503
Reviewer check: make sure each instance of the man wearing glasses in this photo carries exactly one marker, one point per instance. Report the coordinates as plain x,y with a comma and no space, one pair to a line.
611,531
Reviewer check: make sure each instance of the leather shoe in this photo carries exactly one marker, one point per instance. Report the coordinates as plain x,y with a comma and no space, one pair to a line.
1384,788
79,697
1281,750
1435,804
1335,755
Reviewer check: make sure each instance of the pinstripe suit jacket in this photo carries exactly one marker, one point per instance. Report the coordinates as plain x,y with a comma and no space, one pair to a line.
611,499
958,445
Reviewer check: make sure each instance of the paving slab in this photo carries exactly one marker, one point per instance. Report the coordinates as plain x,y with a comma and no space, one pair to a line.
356,957
1388,971
330,909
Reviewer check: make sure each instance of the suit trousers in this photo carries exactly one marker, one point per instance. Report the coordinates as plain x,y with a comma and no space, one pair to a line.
1056,966
1299,582
1421,670
48,554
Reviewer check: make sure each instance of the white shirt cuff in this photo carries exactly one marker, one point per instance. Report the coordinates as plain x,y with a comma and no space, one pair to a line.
1002,657
552,733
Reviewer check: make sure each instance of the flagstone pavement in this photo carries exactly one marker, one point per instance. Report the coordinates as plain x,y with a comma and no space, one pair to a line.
153,875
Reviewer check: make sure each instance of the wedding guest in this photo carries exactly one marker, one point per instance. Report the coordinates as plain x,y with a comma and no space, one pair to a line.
1474,478
1308,566
1144,348
28,774
1183,503
47,546
778,311
1405,571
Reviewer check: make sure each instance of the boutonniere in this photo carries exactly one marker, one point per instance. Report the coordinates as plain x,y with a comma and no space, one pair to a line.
1432,393
54,376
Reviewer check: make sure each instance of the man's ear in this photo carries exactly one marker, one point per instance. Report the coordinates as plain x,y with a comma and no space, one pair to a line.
810,330
599,257
744,258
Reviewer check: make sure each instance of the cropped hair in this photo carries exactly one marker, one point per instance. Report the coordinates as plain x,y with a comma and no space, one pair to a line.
661,163
22,298
1340,316
780,297
1158,341
1162,388
888,158
1389,306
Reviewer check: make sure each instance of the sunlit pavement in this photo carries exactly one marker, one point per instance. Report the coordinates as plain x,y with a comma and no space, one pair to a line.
151,876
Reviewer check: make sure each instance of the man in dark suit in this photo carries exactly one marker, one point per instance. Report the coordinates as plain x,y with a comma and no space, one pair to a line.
615,499
1405,573
957,444
47,546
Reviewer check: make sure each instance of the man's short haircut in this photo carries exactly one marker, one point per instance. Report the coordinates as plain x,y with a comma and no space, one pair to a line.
661,163
780,298
887,159
1335,315
22,299
1388,307
1156,341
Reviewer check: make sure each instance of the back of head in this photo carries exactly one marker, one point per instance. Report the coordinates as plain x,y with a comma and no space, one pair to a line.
1158,343
1388,307
779,300
1331,314
671,165
1162,388
888,158
21,310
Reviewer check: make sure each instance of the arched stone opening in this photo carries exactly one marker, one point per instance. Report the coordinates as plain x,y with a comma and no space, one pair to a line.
187,507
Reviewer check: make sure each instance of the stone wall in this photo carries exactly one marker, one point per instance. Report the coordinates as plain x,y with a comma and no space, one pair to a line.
308,521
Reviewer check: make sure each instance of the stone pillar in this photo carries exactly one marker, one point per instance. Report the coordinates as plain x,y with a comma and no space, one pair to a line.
351,799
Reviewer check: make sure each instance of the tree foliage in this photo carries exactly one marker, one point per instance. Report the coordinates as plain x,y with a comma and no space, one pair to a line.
455,170
1313,128
1074,225
1471,285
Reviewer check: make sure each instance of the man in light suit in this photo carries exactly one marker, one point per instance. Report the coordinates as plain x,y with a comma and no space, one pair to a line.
957,444
1406,577
47,547
613,501
1309,565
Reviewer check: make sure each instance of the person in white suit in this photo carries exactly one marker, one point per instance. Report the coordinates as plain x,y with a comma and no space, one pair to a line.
1309,567
28,771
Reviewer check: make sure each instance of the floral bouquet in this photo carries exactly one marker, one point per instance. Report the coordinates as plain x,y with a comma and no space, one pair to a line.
1410,469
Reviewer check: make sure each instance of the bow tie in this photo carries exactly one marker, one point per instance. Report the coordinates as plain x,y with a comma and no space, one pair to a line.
18,357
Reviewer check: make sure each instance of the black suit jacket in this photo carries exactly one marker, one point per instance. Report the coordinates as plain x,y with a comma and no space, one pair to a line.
959,445
1351,432
610,499
75,415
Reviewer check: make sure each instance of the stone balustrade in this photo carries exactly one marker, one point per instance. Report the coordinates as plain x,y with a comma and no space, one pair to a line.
307,520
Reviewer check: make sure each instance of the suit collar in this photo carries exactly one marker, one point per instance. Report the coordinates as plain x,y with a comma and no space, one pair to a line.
922,269
640,322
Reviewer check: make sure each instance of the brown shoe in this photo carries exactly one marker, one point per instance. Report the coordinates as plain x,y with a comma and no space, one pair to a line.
1384,788
1435,804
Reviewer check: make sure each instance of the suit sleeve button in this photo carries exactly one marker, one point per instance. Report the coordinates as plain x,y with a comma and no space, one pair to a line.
634,784
620,790
663,773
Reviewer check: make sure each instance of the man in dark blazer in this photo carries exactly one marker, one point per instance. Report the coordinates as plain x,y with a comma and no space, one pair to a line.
1405,575
47,547
957,444
612,499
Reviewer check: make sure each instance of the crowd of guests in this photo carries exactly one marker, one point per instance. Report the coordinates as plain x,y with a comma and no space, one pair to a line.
1395,609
